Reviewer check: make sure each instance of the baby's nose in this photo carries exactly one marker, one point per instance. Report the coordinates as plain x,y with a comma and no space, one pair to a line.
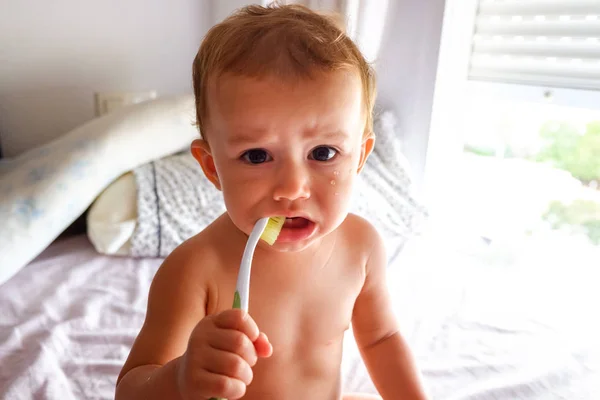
292,183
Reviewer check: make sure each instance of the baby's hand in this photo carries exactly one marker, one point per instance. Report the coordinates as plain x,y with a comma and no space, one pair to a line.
221,351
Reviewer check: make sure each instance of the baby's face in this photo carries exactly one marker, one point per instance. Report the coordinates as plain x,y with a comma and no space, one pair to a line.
276,149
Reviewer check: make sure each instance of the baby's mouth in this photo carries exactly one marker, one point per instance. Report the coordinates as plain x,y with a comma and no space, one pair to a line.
296,229
296,223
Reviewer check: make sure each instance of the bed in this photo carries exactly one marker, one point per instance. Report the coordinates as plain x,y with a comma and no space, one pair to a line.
69,314
70,317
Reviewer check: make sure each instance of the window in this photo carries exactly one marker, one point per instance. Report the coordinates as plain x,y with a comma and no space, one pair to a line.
514,157
529,177
542,42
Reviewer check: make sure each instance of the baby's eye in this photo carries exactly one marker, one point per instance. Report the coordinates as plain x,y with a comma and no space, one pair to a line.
323,153
256,156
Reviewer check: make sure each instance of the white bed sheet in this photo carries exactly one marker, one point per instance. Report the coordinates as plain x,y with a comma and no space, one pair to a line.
68,321
69,318
484,332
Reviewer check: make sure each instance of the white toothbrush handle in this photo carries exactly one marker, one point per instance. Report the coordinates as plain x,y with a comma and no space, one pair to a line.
243,281
242,287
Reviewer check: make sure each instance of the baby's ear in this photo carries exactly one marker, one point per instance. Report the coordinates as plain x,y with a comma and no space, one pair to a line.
365,150
202,153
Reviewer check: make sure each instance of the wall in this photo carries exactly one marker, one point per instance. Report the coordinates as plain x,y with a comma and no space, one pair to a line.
55,54
406,72
220,9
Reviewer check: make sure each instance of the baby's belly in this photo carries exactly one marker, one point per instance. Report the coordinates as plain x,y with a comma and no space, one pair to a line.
306,373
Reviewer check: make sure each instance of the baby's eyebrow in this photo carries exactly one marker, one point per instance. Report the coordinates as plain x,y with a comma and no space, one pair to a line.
240,140
329,135
242,137
251,137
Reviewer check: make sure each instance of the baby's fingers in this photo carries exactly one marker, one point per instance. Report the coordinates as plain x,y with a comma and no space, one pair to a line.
221,386
262,346
235,342
239,320
229,364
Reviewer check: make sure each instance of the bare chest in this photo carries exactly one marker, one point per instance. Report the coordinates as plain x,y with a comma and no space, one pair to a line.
311,311
305,320
301,308
304,308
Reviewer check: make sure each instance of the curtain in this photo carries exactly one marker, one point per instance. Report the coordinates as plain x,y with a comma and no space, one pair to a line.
365,21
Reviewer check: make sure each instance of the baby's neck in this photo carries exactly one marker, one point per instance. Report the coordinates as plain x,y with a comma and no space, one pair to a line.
315,256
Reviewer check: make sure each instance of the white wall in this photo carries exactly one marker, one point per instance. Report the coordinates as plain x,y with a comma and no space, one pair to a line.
220,9
55,54
406,72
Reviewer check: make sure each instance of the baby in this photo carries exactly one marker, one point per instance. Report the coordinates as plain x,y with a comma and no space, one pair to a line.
284,103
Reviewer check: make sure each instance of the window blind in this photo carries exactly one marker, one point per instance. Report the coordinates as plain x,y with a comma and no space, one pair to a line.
552,43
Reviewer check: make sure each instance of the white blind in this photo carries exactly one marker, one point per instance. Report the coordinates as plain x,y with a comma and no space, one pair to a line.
537,42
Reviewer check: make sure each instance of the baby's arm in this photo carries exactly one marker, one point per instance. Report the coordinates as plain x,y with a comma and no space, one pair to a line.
175,305
177,357
384,350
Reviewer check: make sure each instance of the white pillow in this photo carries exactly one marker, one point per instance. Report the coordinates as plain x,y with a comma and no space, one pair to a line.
112,218
45,189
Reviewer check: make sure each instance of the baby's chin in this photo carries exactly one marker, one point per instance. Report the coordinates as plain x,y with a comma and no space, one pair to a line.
290,247
297,246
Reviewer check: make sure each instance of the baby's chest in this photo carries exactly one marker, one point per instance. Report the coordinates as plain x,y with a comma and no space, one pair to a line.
314,310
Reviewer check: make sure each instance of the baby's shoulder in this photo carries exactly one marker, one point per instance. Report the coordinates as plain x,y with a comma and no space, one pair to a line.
192,261
359,234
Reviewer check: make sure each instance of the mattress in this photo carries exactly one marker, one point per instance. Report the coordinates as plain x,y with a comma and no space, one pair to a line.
68,320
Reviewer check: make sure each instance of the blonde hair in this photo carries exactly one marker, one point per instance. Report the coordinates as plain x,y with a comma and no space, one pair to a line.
287,41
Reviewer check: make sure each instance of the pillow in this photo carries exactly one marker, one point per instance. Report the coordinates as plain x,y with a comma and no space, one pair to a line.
47,188
112,220
174,201
170,200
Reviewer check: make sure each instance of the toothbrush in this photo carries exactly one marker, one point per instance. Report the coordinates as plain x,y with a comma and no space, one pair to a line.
266,229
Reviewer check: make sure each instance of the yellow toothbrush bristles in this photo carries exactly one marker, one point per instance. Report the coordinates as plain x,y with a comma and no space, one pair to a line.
272,230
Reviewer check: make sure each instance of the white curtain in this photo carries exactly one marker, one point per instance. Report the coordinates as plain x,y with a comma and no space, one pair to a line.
365,20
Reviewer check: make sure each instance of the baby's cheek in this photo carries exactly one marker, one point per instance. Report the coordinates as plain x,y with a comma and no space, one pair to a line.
340,184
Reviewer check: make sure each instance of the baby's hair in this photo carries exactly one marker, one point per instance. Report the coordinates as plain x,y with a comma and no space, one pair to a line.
291,42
